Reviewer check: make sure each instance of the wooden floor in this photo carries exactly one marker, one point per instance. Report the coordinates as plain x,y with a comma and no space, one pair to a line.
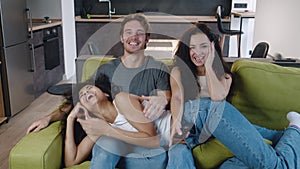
15,129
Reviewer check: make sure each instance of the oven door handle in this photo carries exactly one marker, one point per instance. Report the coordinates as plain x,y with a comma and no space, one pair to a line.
50,39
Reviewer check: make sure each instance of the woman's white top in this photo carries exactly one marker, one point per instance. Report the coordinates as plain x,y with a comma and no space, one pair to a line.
122,123
162,125
204,88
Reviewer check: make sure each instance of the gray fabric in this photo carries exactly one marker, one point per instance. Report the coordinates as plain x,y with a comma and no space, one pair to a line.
153,75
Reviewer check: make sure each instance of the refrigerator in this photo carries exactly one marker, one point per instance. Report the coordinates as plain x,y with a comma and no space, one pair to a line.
16,72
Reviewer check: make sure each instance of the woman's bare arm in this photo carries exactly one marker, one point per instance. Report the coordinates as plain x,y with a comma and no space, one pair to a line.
42,123
218,88
177,103
75,154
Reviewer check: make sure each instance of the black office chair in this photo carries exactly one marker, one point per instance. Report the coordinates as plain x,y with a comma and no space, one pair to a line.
226,32
260,50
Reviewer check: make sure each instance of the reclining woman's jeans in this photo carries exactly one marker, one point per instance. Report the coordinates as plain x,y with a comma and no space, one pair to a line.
109,153
245,141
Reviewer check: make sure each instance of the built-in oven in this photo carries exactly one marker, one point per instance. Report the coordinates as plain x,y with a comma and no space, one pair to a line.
51,48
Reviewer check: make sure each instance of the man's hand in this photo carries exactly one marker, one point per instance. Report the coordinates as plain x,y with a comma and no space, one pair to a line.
38,125
42,123
155,106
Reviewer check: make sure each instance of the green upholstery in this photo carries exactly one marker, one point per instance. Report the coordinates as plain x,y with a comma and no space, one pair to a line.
92,63
42,150
84,165
263,92
212,154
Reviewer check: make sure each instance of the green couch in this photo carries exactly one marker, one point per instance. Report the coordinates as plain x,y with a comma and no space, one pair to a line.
263,92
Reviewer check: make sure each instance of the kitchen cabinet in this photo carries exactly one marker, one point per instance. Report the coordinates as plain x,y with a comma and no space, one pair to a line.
94,34
44,75
84,31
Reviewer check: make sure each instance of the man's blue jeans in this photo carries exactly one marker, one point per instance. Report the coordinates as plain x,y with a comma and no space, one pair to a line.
228,125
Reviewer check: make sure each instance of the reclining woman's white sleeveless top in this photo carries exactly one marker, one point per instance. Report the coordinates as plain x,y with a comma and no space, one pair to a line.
162,125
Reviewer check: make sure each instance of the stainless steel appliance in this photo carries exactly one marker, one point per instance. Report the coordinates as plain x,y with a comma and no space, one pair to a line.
17,77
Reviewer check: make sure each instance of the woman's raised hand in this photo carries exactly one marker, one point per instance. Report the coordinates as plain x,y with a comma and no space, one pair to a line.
211,55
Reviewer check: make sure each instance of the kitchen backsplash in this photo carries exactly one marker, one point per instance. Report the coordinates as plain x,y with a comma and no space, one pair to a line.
42,8
176,7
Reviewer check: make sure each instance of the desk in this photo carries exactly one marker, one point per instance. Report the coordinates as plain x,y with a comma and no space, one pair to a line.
242,15
230,60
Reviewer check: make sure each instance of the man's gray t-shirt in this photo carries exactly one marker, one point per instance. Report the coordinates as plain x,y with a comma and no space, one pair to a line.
145,80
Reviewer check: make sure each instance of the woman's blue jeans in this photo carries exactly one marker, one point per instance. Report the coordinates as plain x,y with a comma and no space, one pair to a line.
245,141
109,153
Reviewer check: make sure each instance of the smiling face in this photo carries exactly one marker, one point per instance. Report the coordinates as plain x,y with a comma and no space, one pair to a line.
199,48
90,95
134,37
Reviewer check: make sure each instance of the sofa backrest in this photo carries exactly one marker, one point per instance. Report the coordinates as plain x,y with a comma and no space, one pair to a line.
265,92
92,63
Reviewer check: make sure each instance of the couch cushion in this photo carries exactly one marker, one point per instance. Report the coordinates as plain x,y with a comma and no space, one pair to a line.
213,153
92,63
210,154
265,92
84,165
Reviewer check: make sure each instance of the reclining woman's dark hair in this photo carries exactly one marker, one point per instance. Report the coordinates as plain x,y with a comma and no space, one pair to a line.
101,81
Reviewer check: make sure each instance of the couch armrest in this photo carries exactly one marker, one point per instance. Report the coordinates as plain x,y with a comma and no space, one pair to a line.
41,150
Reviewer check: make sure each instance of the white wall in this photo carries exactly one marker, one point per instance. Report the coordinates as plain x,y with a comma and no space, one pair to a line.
247,28
277,22
42,8
68,27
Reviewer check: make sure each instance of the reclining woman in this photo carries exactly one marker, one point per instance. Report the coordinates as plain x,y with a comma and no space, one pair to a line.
199,67
121,118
